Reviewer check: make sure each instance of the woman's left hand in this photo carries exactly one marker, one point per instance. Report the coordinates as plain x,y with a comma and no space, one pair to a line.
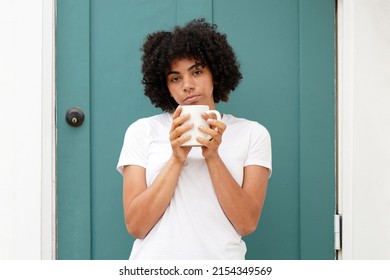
216,129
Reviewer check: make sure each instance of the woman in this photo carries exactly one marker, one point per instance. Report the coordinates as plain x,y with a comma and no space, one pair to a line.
190,202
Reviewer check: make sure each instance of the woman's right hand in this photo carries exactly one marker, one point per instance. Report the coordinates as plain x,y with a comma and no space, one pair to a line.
176,135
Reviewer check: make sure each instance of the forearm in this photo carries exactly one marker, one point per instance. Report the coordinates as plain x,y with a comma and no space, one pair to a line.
240,208
145,206
145,210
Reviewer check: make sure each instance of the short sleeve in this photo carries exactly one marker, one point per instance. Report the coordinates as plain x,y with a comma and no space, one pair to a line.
134,149
260,152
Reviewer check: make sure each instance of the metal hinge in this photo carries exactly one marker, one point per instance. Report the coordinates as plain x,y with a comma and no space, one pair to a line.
337,232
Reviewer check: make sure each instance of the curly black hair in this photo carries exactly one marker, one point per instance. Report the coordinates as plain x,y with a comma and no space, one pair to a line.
198,40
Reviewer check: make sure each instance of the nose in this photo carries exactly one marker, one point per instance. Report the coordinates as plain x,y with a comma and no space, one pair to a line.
188,83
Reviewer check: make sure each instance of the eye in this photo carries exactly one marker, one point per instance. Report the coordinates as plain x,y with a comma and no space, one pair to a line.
174,79
197,72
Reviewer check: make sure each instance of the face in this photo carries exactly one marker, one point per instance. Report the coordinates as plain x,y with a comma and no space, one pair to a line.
190,83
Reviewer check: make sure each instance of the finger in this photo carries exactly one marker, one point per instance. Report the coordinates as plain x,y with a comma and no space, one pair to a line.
178,131
178,120
177,116
181,119
204,142
177,112
217,124
206,116
181,140
210,131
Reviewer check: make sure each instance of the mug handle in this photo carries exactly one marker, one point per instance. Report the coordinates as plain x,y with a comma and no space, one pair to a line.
215,112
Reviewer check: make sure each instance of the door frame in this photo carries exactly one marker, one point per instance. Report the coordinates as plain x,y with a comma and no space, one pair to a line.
49,136
352,28
344,119
49,155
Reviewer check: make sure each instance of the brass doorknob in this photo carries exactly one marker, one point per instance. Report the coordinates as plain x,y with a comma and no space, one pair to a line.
75,117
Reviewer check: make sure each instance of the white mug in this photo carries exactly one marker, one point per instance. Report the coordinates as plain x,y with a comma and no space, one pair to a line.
195,112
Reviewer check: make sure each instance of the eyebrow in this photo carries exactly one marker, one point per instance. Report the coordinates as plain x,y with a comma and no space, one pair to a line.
188,69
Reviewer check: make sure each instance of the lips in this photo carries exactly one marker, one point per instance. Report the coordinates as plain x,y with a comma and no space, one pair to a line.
191,99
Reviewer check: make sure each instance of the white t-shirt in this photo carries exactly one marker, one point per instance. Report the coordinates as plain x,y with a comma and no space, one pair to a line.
194,225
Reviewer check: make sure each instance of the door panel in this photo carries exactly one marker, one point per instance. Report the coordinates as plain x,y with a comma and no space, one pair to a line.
116,100
286,52
73,144
265,36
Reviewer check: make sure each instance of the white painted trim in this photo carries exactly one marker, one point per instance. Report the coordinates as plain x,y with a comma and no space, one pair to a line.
345,123
363,154
48,195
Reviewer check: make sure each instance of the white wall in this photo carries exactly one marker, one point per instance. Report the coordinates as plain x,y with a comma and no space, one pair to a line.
22,130
27,141
20,143
364,131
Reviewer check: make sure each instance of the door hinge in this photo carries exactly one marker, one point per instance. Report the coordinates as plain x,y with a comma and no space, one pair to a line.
337,232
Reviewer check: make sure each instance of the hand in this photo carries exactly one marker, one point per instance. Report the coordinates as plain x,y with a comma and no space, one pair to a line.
216,129
176,137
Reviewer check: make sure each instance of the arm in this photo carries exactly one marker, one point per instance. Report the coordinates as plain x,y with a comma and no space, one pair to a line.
241,205
143,207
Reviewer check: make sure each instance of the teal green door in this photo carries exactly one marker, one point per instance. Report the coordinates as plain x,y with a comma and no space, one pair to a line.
286,50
